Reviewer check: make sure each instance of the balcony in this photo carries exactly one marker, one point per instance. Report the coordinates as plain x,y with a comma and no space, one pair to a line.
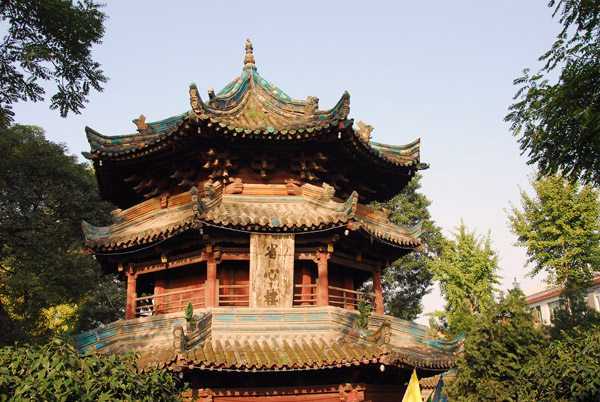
239,296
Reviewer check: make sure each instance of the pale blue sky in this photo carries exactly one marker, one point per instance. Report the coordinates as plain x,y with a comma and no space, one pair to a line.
439,70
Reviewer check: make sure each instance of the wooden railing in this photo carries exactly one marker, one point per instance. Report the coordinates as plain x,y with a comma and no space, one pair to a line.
239,296
232,295
348,298
340,297
169,302
305,298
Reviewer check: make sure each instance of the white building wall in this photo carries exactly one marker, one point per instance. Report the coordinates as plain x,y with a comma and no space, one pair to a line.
543,298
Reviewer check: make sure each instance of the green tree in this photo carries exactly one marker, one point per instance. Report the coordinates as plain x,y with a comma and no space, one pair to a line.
567,370
560,227
409,278
501,341
467,272
557,123
44,195
573,315
103,304
49,40
57,372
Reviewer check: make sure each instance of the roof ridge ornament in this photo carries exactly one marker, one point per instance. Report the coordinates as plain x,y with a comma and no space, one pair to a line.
249,59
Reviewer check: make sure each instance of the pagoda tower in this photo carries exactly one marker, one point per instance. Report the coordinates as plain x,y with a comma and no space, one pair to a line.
251,211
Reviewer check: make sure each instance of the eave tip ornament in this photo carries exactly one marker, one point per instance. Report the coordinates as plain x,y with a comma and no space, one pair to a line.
249,59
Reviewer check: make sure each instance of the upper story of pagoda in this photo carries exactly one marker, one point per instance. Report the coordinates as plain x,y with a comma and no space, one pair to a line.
250,133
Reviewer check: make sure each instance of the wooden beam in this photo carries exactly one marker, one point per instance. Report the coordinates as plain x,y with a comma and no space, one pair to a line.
180,261
310,255
347,261
145,268
235,256
175,261
319,237
312,393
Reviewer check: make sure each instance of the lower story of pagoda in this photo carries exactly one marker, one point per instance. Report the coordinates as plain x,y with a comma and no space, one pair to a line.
280,354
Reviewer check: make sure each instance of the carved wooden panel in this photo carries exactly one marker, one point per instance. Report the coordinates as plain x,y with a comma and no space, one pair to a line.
271,270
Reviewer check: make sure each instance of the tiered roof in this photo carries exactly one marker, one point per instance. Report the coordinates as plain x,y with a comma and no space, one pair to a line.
252,105
159,175
313,209
252,112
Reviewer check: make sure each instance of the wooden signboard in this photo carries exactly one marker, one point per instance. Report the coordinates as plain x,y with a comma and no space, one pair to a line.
271,270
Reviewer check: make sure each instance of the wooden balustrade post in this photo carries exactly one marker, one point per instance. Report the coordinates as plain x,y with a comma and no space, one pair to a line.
211,281
378,292
349,301
131,295
323,289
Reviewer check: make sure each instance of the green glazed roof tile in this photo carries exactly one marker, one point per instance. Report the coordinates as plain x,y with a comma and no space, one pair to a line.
248,211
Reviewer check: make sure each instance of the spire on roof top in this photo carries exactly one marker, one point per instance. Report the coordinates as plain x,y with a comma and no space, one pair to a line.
249,59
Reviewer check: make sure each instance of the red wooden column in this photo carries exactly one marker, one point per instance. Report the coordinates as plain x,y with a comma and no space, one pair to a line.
211,280
226,280
159,288
131,295
323,290
378,292
305,290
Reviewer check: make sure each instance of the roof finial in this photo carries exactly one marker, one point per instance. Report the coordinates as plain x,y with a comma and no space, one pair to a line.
249,59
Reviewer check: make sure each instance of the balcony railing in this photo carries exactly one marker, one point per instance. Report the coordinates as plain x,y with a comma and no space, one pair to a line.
348,298
233,295
169,302
239,296
305,295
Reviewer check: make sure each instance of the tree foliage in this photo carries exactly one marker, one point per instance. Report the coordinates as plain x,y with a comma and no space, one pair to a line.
558,123
57,372
44,195
409,278
560,227
467,272
104,304
49,40
573,315
567,370
501,341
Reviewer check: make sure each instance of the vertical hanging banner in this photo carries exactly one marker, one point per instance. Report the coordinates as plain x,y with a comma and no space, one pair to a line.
271,270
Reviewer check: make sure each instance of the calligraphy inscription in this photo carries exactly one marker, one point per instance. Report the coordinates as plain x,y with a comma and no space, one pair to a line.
271,270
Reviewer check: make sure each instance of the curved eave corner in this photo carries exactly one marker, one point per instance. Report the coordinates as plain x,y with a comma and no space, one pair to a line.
143,224
148,135
377,224
407,155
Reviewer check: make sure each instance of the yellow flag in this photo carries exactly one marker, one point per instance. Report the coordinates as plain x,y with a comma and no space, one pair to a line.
413,392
